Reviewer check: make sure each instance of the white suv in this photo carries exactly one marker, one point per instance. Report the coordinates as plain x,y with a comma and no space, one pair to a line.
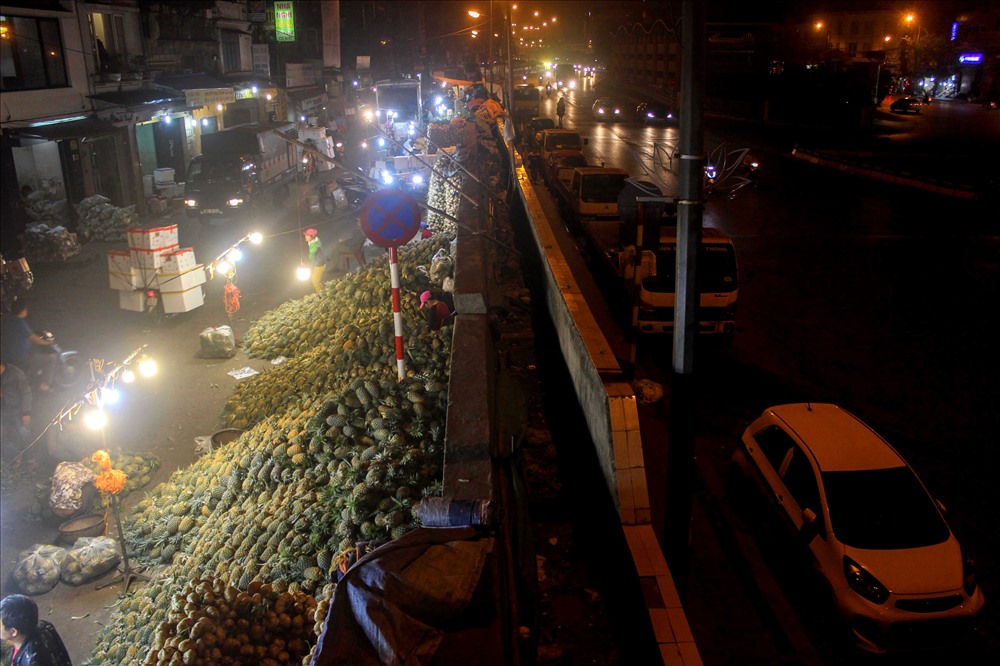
875,535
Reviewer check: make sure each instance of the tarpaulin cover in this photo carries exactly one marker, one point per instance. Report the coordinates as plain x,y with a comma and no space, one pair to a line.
400,603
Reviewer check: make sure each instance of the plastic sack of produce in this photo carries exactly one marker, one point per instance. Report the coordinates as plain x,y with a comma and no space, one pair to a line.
68,482
90,557
218,342
38,568
441,266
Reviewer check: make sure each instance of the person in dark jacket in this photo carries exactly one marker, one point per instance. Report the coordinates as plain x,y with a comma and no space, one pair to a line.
35,643
27,349
438,313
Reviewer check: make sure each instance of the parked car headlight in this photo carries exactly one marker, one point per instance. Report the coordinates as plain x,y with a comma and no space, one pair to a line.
190,203
235,201
864,583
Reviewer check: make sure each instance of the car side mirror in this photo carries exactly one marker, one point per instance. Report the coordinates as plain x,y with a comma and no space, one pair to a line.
810,525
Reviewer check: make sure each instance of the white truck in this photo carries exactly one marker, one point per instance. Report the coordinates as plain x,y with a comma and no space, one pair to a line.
590,206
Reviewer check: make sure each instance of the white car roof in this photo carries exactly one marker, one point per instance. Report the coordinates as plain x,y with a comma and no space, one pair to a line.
838,439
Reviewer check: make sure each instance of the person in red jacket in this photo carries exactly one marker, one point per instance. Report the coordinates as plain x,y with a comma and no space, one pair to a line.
35,643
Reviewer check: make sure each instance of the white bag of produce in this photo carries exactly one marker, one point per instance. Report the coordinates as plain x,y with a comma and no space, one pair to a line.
218,342
38,568
90,557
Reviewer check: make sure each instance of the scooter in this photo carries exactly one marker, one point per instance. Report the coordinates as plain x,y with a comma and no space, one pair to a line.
68,370
356,188
548,90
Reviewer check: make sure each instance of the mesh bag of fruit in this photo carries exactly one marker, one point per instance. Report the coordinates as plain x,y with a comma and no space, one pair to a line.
38,568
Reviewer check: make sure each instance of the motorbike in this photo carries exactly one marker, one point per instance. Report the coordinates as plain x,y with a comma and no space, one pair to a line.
68,370
327,202
356,189
548,90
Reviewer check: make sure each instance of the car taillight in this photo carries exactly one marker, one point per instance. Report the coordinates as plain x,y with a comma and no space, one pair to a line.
970,578
864,583
150,294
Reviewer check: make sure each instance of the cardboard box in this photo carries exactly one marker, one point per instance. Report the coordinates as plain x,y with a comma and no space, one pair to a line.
126,281
153,238
179,261
132,300
142,258
182,281
119,261
182,301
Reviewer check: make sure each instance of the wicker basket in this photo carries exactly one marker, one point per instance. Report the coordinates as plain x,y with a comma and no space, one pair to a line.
87,525
224,436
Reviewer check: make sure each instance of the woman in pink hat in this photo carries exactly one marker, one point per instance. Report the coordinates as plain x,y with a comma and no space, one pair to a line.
317,257
437,313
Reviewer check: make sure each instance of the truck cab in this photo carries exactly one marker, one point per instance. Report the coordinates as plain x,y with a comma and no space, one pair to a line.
718,284
560,139
592,193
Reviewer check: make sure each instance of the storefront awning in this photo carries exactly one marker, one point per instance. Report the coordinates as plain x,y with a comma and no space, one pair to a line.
84,128
308,98
191,82
137,98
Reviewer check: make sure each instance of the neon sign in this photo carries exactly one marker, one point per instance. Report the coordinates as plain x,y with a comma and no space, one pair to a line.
970,58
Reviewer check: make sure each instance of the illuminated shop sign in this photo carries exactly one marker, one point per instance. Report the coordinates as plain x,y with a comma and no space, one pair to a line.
970,58
284,21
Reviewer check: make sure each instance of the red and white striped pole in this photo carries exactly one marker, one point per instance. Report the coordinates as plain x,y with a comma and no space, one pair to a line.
397,315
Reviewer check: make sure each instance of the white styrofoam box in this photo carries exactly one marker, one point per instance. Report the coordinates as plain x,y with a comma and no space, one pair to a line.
164,175
179,261
182,301
149,258
182,281
119,261
128,281
152,238
147,186
131,300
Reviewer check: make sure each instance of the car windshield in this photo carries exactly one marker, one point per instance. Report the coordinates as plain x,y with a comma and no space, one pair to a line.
554,141
602,188
716,269
885,509
215,170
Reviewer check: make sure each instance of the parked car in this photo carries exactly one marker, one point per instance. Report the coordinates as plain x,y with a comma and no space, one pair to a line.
607,109
655,112
560,165
906,104
878,540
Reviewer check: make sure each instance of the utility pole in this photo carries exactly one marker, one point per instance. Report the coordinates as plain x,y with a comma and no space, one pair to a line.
690,208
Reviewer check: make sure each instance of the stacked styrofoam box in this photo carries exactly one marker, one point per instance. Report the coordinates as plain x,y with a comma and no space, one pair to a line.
155,260
181,281
183,301
148,245
178,261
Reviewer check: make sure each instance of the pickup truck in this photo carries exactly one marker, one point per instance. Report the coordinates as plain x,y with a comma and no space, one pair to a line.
560,166
591,193
238,168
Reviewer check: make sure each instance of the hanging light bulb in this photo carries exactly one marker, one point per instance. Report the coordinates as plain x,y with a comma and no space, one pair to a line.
147,367
128,376
110,396
303,272
235,254
95,419
222,266
256,237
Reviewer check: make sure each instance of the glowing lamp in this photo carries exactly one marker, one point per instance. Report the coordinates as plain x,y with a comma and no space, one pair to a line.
95,419
223,266
147,367
303,273
110,396
128,376
256,238
235,255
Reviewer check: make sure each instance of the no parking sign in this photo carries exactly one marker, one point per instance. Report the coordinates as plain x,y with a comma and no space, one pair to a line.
389,219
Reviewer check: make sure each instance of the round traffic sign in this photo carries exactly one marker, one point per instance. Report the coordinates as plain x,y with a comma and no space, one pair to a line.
390,218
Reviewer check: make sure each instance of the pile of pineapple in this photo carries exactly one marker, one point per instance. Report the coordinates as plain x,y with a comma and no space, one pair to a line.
336,451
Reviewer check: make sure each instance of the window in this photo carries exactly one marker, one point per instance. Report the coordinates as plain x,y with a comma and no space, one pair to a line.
801,482
109,41
230,51
774,443
31,54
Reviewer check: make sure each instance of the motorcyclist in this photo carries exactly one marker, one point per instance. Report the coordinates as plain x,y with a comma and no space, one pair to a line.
548,89
561,110
27,349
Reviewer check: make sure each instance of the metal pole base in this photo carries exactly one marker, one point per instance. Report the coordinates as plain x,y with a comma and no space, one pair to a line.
128,575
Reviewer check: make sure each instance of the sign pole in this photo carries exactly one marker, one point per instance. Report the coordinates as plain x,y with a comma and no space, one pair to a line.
397,314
